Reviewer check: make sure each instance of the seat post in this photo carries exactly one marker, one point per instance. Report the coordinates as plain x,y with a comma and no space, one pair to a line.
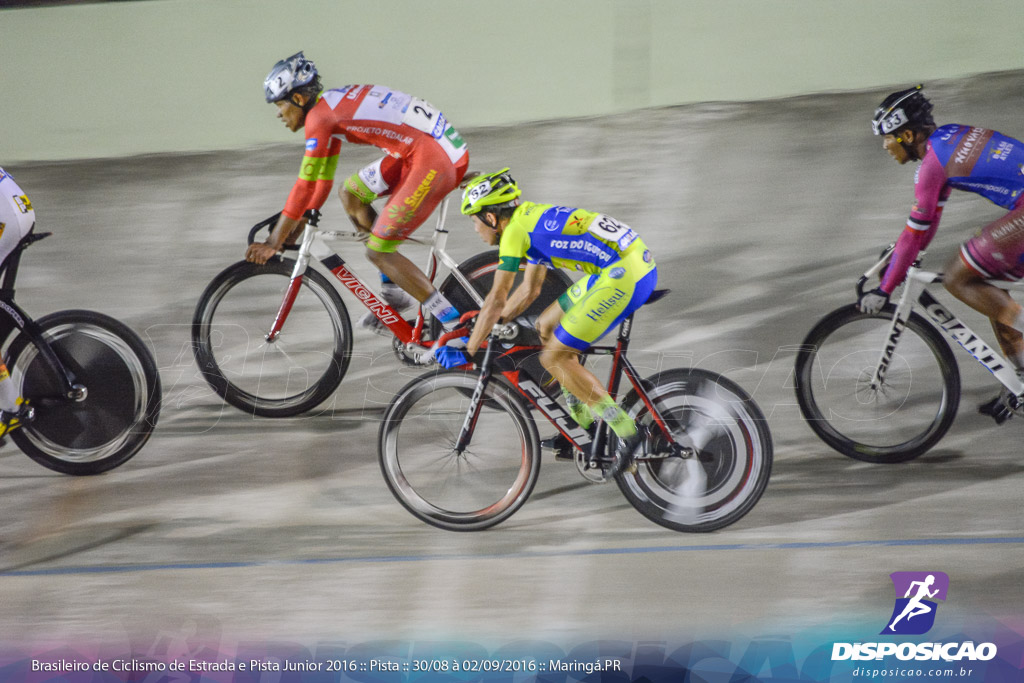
625,327
10,270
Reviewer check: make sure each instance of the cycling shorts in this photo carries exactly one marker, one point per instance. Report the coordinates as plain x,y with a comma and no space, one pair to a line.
16,215
415,186
997,251
598,303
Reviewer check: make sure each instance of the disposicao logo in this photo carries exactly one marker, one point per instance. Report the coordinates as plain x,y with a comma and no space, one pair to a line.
914,614
916,593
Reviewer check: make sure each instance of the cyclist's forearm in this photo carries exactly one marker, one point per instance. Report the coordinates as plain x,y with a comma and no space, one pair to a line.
908,246
485,320
519,301
282,231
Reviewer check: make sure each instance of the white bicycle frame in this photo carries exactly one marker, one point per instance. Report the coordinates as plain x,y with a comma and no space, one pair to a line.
915,293
313,244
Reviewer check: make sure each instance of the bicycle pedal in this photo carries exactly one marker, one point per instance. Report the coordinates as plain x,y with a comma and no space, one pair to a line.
1001,408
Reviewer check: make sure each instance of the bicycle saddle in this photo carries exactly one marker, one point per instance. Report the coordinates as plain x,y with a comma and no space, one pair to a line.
655,295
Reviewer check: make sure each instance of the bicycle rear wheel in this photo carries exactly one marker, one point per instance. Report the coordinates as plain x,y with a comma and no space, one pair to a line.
899,420
292,374
479,270
733,461
476,489
120,405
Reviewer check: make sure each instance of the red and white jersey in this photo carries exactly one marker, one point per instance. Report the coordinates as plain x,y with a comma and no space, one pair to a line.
377,115
397,123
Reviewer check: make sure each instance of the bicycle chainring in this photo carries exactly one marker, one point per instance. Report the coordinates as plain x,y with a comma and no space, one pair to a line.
403,354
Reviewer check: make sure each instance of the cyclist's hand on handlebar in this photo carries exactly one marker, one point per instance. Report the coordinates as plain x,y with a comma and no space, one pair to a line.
259,252
872,302
449,356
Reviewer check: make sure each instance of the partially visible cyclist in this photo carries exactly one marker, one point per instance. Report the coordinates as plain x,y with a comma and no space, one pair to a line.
425,159
968,158
978,160
17,218
620,276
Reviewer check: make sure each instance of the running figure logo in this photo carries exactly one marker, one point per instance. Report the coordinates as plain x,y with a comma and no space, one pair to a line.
914,612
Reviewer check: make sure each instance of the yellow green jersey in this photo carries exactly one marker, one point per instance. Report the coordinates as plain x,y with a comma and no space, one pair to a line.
563,237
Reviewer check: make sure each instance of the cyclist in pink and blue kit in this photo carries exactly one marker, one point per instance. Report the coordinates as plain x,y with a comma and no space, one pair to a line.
978,160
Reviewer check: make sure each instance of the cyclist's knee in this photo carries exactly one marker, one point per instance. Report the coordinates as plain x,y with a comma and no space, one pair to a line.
957,276
381,251
555,355
546,329
349,200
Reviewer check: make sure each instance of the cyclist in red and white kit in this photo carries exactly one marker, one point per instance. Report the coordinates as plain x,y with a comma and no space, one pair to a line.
977,160
426,159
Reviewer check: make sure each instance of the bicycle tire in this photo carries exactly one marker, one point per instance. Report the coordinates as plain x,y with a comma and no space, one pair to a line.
858,340
724,481
479,269
120,409
471,491
229,328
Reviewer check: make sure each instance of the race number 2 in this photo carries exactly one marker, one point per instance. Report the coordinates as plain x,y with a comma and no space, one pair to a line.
423,116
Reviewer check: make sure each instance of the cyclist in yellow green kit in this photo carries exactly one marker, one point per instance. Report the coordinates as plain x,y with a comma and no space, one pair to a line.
621,274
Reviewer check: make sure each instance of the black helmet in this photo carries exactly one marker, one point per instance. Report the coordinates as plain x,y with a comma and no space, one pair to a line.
904,108
291,74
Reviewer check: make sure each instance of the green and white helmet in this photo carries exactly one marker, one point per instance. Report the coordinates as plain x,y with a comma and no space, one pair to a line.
496,190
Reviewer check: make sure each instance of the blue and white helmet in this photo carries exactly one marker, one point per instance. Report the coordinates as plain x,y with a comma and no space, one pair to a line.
289,75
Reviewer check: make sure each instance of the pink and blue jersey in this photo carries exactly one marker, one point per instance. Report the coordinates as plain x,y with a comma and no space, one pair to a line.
959,157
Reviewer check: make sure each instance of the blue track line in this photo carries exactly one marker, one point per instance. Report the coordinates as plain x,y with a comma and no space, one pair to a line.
121,569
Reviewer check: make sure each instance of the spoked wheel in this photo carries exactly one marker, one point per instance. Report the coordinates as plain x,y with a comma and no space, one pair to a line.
288,375
116,408
731,445
894,421
476,489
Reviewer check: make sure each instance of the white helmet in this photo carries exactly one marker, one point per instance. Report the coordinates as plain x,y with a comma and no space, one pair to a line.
289,75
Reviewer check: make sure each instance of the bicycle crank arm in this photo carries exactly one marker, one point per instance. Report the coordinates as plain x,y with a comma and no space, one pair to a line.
421,355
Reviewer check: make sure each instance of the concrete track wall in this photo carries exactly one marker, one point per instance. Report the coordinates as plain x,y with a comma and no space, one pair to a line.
107,80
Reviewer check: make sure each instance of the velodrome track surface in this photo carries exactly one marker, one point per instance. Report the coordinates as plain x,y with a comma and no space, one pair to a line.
761,217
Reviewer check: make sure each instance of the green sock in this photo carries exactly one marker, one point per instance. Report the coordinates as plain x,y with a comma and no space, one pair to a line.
608,410
578,409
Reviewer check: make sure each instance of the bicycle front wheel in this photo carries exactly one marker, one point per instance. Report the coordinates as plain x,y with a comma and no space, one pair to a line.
900,418
468,491
289,375
119,404
732,452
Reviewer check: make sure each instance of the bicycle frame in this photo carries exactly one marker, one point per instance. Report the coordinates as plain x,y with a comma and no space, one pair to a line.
14,318
312,245
915,294
529,389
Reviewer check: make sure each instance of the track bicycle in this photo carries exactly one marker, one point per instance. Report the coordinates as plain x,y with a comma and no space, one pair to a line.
885,388
91,380
275,340
459,449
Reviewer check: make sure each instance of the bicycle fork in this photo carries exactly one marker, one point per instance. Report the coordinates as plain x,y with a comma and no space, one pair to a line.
911,291
295,282
475,403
